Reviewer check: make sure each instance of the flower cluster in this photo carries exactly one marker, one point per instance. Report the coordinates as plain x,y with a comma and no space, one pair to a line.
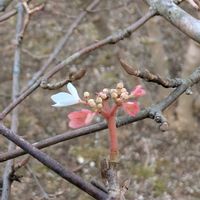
99,105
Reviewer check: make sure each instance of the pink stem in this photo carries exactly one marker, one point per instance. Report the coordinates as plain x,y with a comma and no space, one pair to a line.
113,138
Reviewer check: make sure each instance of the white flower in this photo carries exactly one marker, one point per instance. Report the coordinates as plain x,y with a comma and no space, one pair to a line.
66,99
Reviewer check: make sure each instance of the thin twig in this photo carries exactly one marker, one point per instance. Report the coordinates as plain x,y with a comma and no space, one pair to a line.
72,77
44,194
149,77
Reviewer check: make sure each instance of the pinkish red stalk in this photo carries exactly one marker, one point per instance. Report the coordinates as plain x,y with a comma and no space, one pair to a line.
114,151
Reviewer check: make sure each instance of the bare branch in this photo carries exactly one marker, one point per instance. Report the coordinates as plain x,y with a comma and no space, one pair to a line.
44,194
112,39
15,91
149,77
178,17
8,15
53,164
72,77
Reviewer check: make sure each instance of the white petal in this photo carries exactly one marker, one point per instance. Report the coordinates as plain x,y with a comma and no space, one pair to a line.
73,91
63,99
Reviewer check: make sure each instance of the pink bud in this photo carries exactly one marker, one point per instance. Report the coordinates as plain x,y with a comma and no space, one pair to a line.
138,91
80,118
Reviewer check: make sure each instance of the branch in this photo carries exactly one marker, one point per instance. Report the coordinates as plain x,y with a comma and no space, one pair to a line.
112,39
8,15
44,194
153,112
15,91
178,17
53,164
121,121
149,77
72,77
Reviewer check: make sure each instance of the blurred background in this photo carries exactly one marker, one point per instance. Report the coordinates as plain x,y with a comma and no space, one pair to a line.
161,165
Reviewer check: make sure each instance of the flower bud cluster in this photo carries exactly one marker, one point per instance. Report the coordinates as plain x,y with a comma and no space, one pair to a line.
119,95
97,104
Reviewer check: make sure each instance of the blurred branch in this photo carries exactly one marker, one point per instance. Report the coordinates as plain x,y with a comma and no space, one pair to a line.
8,15
44,194
153,112
4,4
36,57
53,164
29,13
178,17
149,77
112,39
15,91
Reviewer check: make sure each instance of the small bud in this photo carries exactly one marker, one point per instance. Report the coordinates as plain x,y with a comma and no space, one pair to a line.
91,103
103,95
99,100
123,90
113,90
120,85
86,94
124,95
114,95
105,90
100,105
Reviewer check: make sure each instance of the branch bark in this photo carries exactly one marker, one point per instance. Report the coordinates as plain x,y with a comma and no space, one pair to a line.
15,91
178,17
